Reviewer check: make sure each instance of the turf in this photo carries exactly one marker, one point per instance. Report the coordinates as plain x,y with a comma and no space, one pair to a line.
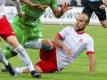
77,70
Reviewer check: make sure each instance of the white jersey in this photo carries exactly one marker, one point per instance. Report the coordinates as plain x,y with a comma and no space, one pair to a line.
76,42
2,5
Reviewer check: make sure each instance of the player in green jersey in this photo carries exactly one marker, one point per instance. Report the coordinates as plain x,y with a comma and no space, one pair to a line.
27,26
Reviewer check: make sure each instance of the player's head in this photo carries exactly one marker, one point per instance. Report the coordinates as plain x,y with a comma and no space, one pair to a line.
82,21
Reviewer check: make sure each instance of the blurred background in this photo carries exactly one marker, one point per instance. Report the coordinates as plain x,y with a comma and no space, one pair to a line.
48,18
72,2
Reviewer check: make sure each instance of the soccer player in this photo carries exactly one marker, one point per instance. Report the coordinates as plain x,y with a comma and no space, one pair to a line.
27,27
97,6
7,33
66,46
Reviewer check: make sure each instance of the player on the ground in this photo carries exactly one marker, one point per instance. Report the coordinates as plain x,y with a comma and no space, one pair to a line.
66,46
97,6
7,33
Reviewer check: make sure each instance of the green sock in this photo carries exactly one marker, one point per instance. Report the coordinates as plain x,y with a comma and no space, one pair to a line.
8,53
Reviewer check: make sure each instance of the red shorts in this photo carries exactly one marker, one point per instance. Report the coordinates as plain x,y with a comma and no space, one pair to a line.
48,62
5,28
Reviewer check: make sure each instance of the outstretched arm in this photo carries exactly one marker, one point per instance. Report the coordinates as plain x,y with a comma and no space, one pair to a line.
92,63
28,2
18,6
34,5
58,11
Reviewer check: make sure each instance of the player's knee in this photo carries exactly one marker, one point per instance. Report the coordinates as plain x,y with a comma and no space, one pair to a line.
12,40
104,23
47,45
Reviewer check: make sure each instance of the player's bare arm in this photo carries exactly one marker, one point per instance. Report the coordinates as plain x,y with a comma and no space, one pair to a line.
18,7
103,6
58,43
58,11
34,5
92,63
28,2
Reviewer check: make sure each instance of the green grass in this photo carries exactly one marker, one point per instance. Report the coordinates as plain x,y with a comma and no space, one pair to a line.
77,70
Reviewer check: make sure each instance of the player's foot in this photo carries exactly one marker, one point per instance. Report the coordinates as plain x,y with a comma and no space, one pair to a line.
15,70
10,69
6,63
35,74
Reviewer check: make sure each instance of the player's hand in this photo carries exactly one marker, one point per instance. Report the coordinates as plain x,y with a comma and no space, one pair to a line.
47,42
102,6
67,51
65,7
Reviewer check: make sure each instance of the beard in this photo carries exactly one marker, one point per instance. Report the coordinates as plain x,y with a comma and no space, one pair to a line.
79,29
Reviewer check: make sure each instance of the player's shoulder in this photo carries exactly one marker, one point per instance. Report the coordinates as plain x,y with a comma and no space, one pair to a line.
88,37
68,28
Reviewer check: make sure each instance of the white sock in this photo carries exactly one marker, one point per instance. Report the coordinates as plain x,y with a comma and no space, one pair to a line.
20,70
24,57
2,58
34,44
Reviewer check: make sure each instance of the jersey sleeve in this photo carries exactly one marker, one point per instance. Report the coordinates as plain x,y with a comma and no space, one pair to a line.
90,46
53,4
63,32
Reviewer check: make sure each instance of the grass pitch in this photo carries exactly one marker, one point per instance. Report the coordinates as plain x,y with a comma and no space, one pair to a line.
77,70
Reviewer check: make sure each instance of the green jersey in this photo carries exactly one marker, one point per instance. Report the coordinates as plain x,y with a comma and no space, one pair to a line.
32,14
27,27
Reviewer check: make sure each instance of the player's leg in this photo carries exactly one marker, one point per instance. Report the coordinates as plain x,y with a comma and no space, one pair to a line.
2,58
8,52
6,63
102,17
41,66
12,40
22,55
23,33
101,13
39,44
25,69
47,64
104,23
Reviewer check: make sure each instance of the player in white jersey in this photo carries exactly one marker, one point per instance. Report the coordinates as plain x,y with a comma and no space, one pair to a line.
7,33
66,46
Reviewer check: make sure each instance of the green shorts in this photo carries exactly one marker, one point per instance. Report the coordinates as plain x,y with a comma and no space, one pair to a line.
24,32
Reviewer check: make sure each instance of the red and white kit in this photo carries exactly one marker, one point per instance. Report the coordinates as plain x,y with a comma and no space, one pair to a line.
56,59
5,27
